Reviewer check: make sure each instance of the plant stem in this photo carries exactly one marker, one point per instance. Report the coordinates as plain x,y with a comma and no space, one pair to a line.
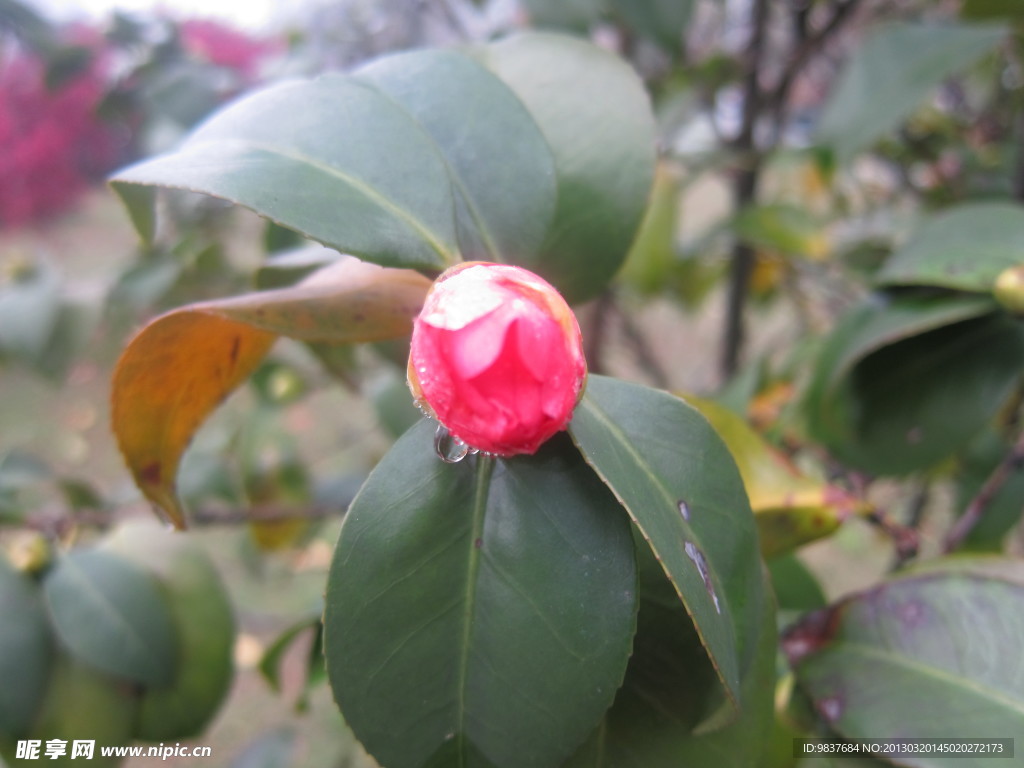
744,192
1012,461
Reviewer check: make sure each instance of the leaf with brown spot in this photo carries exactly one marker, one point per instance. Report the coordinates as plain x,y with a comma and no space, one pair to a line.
791,508
180,366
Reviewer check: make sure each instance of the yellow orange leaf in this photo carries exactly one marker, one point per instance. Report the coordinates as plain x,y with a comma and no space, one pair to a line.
791,508
180,366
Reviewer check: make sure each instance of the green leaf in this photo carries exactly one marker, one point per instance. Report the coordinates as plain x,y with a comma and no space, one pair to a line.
596,118
929,656
203,623
676,478
892,71
569,15
502,172
959,362
783,228
660,718
992,9
479,613
113,616
653,255
333,159
84,704
796,588
26,651
663,21
965,248
791,508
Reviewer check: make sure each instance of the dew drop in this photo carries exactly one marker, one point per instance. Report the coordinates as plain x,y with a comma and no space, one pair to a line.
449,448
693,552
684,510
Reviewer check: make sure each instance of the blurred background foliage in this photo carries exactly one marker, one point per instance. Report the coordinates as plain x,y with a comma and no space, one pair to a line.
838,193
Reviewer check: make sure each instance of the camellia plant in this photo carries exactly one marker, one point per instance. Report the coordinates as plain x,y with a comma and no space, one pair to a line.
549,567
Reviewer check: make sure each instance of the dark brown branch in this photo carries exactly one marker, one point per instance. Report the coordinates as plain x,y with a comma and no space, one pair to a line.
975,511
642,351
745,191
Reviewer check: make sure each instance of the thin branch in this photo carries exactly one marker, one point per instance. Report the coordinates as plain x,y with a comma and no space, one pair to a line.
777,100
1012,461
642,350
745,191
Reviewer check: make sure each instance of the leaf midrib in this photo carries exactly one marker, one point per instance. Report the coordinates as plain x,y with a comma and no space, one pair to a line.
78,576
367,190
484,470
589,405
937,673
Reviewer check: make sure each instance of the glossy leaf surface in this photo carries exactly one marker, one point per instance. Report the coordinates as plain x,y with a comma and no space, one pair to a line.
964,248
478,616
180,367
676,478
113,616
502,172
596,118
667,712
331,158
931,655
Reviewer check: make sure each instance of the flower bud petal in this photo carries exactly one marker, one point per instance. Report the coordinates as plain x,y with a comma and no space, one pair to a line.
496,357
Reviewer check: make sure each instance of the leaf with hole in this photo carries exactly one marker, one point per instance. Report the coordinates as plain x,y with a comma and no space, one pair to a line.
681,487
790,508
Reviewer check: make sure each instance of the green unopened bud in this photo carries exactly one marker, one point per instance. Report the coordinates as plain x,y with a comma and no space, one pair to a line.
1009,289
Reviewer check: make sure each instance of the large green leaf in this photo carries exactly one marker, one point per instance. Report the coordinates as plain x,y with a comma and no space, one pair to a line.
964,248
502,172
959,361
891,72
203,623
676,478
480,613
113,616
331,158
660,718
596,117
26,650
932,655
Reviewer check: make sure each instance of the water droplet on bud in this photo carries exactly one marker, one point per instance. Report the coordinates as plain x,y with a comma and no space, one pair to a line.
449,448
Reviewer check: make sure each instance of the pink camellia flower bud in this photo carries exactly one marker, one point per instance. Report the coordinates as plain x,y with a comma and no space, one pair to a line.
496,358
